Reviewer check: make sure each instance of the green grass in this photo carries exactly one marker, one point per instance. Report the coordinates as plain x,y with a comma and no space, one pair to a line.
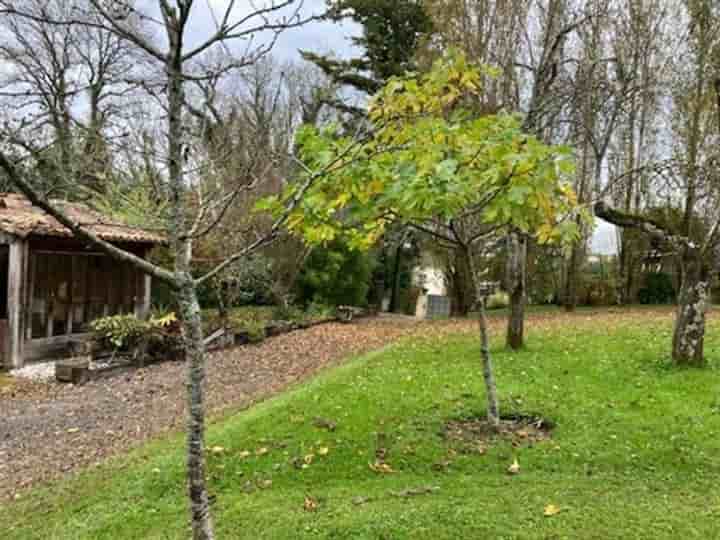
635,454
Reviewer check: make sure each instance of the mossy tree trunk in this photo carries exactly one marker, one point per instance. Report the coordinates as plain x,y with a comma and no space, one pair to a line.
689,334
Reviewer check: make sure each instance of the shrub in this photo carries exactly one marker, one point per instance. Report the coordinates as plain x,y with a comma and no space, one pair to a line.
287,313
255,331
498,300
336,275
658,289
159,336
119,332
320,311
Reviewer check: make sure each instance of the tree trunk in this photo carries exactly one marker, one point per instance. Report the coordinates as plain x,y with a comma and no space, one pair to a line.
493,405
202,528
195,359
395,289
516,278
571,279
689,335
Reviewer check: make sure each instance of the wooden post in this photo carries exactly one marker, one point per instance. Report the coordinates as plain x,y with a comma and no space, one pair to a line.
17,273
142,298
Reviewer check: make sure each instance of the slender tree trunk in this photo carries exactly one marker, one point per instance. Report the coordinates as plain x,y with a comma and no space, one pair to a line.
516,270
493,404
202,528
571,279
396,277
195,358
689,335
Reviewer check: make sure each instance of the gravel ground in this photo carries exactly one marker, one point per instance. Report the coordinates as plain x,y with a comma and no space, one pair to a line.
50,429
39,371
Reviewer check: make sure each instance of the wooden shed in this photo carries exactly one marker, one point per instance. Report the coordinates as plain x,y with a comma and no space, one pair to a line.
53,285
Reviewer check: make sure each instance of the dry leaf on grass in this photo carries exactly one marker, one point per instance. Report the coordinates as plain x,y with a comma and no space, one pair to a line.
551,510
382,468
310,504
514,468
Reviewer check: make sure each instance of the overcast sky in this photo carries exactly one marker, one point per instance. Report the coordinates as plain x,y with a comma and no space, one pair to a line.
325,37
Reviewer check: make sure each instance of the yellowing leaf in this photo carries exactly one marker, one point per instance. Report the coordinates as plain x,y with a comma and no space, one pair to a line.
551,510
380,467
323,451
217,449
514,468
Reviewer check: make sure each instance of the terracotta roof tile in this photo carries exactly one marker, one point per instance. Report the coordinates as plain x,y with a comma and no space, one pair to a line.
20,218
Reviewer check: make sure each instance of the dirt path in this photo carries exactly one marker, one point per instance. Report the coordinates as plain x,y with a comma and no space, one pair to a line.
47,430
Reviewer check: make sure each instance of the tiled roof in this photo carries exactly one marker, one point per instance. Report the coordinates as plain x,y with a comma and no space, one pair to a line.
20,218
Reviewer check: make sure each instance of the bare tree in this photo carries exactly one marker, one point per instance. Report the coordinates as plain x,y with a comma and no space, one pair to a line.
175,60
67,92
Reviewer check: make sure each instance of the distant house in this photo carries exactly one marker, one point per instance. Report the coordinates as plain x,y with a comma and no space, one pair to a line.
53,285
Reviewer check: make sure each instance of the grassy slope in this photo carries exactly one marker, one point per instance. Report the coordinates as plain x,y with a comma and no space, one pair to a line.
636,453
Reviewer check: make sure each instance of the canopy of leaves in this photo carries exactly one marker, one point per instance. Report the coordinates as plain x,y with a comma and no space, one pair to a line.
432,158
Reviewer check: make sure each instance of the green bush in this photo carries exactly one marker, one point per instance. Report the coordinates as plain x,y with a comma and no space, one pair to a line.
658,289
336,275
498,300
158,336
287,313
320,311
255,331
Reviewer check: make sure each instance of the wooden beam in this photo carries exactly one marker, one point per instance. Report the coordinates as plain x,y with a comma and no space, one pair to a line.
142,302
17,279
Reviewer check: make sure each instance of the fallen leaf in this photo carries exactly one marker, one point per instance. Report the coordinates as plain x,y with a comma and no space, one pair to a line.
309,459
323,451
310,504
217,449
261,451
514,468
551,510
380,467
244,454
73,430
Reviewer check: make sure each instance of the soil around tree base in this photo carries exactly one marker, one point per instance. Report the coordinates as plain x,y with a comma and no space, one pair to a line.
520,429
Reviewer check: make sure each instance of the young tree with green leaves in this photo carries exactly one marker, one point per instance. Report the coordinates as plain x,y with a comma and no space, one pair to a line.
437,164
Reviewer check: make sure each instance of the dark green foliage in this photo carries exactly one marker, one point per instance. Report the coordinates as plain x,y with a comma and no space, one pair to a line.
392,30
336,275
658,289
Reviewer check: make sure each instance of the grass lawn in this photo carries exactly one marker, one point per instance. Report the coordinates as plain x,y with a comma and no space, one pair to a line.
635,452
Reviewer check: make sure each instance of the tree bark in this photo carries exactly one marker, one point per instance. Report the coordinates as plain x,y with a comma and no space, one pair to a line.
689,334
493,404
201,523
395,289
202,527
571,279
516,278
